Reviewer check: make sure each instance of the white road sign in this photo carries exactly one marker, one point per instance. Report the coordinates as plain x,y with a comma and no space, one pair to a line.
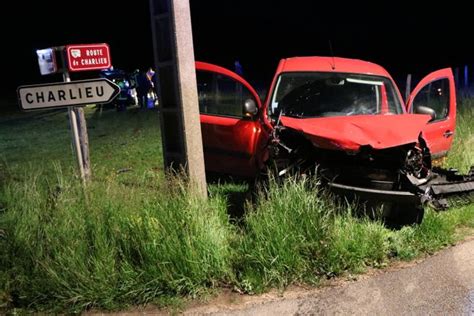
63,94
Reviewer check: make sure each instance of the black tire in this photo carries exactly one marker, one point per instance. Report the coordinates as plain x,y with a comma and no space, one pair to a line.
401,215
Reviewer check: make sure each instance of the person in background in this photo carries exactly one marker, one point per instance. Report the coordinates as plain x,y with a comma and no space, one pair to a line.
152,98
238,68
150,74
144,85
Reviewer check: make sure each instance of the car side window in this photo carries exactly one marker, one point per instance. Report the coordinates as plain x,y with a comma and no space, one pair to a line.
221,95
435,95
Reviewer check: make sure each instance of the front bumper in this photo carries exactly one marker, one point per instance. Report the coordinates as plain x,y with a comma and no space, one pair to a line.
402,197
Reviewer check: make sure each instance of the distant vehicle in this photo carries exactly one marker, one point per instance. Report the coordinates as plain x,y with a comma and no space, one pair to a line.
128,94
343,117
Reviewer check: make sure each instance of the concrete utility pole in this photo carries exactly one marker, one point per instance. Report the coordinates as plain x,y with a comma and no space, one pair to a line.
177,89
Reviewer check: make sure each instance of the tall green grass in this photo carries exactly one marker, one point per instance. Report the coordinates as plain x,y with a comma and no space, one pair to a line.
296,234
132,238
285,237
461,155
67,248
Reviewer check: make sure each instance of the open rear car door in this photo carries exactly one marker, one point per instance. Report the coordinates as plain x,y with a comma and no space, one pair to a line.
229,109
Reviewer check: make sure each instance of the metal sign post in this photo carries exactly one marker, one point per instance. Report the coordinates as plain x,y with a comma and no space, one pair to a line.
174,58
76,140
84,142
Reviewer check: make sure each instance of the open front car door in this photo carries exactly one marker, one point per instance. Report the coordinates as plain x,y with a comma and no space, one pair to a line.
436,95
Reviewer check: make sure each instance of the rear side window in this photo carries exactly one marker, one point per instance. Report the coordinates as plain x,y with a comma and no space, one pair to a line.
221,95
435,95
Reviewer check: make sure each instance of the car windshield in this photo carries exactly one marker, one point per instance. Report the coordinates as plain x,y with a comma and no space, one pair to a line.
319,94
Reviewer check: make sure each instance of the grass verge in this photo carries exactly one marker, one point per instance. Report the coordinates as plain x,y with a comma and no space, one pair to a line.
296,234
67,249
131,238
461,155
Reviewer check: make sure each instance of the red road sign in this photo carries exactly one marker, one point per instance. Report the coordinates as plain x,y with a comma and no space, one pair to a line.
88,57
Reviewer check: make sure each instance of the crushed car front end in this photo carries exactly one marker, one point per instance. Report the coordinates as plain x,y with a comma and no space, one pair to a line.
352,130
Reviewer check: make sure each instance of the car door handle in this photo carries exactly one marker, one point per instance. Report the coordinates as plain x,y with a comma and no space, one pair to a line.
448,133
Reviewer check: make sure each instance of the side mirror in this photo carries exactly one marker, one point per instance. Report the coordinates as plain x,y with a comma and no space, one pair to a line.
250,108
420,109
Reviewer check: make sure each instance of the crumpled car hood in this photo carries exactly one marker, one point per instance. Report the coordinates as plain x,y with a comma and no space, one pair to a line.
352,132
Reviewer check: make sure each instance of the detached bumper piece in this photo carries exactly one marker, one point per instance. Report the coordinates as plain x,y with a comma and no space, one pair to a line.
446,186
452,186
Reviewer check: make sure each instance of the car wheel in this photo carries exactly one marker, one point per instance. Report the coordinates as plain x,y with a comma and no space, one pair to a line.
401,215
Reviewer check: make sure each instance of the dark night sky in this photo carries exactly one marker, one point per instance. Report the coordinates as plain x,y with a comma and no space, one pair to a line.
258,33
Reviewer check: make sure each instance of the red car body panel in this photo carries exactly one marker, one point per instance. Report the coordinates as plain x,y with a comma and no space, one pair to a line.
230,144
238,146
330,64
349,133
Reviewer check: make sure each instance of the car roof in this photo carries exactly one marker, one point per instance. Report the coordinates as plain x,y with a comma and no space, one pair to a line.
331,64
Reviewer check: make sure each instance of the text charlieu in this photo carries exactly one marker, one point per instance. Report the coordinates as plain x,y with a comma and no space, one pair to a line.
65,94
91,61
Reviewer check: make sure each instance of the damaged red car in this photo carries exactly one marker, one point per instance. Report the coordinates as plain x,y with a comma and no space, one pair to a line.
344,118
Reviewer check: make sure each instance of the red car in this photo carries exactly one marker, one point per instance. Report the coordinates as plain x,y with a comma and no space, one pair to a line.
344,116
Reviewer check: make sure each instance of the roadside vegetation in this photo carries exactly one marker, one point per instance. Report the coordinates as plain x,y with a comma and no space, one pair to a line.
131,237
461,155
